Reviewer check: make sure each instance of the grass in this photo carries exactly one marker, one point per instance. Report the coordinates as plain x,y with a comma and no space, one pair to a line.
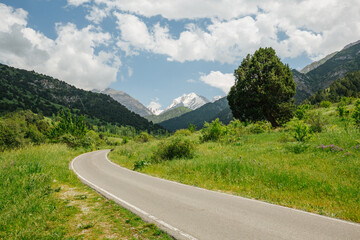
270,166
40,198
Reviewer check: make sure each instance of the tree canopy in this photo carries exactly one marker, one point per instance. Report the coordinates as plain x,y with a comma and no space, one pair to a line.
264,89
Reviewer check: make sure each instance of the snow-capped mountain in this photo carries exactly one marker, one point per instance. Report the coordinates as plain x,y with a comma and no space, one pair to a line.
214,99
192,101
154,108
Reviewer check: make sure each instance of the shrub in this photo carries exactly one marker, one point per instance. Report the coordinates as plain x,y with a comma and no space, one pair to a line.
300,130
8,137
235,130
213,131
342,111
176,148
139,165
192,128
143,137
325,104
183,132
316,121
259,127
34,134
301,111
356,113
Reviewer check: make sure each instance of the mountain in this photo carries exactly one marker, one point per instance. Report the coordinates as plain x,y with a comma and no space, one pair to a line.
21,89
168,114
192,101
198,117
345,61
317,64
349,86
155,108
129,102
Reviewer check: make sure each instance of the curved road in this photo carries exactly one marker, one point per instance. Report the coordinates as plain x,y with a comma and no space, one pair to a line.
187,212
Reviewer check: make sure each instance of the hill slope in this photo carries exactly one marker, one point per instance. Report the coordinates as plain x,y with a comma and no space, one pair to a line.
197,117
21,89
346,60
168,114
129,102
349,86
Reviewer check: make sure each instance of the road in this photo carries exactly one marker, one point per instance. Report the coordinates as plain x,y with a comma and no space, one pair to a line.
187,212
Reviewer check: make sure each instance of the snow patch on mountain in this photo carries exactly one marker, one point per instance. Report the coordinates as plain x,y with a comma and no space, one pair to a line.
155,108
192,101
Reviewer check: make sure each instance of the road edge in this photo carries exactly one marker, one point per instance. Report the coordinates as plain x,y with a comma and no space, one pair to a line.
171,230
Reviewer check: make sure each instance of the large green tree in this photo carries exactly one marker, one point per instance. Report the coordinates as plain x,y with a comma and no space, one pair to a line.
264,89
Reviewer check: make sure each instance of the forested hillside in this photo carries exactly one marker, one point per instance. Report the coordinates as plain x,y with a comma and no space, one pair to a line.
21,89
349,86
345,61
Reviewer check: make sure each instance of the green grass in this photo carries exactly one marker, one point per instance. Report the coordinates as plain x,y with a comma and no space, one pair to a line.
271,166
40,198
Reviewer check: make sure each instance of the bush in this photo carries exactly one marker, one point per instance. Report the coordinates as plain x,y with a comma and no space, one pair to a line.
259,127
325,104
176,148
342,111
356,113
213,131
301,131
8,137
143,137
235,130
34,134
301,111
317,121
192,128
183,132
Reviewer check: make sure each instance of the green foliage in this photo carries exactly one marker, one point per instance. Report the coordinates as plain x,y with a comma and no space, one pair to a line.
343,89
263,89
259,127
356,114
300,130
176,148
342,111
183,132
213,131
25,90
301,111
69,124
325,104
235,130
143,137
139,165
192,128
317,121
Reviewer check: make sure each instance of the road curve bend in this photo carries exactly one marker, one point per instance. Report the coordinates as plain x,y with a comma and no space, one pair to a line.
187,212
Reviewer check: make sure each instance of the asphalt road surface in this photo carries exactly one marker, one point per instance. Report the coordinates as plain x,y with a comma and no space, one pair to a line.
187,212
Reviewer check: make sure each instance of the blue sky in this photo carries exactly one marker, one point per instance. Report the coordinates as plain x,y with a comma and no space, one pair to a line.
157,50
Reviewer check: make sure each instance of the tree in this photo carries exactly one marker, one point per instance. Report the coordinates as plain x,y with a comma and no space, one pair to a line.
264,89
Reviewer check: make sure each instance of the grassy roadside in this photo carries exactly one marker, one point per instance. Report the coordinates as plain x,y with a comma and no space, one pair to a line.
40,198
321,175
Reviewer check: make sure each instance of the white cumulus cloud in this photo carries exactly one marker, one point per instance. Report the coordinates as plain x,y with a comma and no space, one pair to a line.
70,57
217,79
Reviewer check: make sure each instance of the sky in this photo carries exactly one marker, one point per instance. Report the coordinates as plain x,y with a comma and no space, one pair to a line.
157,50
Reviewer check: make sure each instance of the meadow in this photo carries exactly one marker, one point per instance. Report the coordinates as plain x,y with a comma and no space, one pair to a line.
40,198
312,163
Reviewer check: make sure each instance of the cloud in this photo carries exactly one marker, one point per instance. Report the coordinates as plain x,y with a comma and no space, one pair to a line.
77,3
237,28
183,9
155,107
70,57
223,81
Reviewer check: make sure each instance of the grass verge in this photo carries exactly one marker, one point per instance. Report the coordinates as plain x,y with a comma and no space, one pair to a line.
40,198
